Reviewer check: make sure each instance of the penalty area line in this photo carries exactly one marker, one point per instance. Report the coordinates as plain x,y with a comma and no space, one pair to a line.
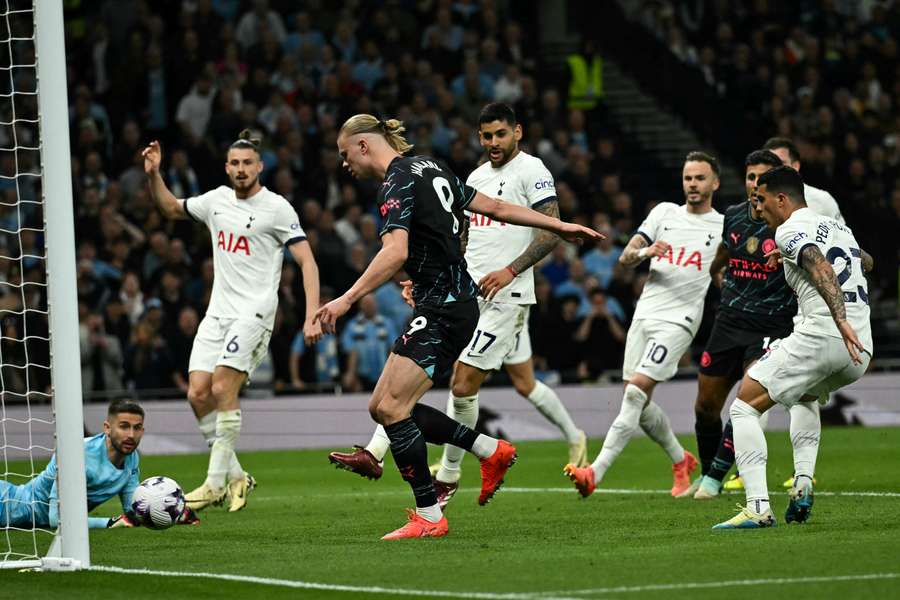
737,582
331,587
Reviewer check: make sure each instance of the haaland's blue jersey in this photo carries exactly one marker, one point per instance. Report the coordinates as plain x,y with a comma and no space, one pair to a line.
36,502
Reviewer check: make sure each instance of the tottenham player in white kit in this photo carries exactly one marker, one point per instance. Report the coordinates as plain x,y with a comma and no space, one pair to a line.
681,242
820,202
250,226
499,257
830,348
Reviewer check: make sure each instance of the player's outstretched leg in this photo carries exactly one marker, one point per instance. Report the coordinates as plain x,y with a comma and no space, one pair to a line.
656,425
621,430
496,456
751,455
463,409
547,402
366,461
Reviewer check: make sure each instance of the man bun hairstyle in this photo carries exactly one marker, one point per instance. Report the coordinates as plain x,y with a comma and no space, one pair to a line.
246,140
762,157
788,144
131,407
698,156
390,129
783,180
497,111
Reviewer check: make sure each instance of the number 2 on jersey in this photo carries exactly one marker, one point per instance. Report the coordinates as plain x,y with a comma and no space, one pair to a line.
445,195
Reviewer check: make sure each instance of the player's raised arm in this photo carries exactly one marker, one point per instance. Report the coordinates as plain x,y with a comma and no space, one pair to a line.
302,253
389,260
170,206
541,245
823,278
520,215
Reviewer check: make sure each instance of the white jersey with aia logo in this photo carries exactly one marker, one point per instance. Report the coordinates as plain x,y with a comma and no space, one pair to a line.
248,238
679,279
836,242
492,245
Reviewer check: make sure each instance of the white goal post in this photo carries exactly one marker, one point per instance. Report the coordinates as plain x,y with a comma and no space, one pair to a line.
69,548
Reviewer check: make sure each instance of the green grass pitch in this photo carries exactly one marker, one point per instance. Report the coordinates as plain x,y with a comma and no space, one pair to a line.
309,523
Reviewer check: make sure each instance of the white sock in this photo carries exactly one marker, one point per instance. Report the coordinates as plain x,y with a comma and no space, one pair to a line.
806,430
379,444
430,513
549,405
207,425
750,453
463,409
228,430
621,430
484,446
656,425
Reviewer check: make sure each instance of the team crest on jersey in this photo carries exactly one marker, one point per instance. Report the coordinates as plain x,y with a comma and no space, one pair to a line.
752,244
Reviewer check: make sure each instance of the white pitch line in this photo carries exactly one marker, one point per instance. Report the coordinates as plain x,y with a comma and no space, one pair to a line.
553,595
571,490
330,587
738,582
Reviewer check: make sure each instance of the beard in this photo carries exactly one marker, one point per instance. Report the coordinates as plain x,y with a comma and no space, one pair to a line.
244,184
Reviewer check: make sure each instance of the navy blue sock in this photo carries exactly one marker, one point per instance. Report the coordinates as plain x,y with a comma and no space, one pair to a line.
724,459
411,455
440,429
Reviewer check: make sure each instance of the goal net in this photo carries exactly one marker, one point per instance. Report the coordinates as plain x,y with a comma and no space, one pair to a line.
40,379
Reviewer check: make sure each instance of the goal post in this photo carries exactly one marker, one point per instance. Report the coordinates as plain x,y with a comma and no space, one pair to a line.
62,300
50,129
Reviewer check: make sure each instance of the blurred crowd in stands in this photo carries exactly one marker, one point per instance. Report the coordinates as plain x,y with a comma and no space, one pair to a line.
193,73
824,73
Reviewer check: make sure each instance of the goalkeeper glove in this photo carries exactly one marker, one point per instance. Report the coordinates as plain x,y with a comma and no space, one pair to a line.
124,520
188,517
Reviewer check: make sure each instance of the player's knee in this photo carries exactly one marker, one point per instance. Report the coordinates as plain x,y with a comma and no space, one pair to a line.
707,405
463,387
221,390
199,397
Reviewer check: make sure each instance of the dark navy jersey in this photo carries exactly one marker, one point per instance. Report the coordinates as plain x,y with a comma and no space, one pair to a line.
422,196
753,292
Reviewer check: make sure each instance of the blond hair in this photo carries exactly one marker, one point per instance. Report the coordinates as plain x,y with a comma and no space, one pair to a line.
390,129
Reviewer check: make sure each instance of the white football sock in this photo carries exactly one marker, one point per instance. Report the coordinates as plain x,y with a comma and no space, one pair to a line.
764,420
431,513
750,453
806,430
621,430
549,405
228,430
464,410
656,425
207,425
379,444
484,446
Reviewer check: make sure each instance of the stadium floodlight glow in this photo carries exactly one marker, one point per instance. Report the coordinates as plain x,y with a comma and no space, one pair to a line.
37,270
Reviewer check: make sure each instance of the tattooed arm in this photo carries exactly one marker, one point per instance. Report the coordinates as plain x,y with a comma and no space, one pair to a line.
541,245
639,248
822,276
464,235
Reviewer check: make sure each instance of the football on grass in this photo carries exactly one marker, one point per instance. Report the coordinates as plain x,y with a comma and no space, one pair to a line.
158,502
